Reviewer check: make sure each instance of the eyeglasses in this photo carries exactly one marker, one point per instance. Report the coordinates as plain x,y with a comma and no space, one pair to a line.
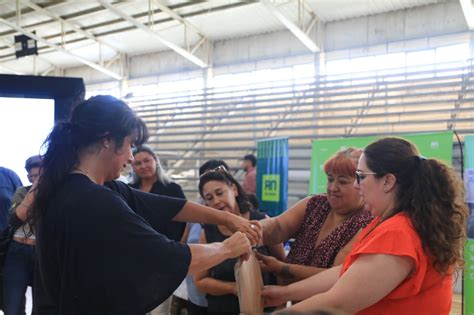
219,169
361,175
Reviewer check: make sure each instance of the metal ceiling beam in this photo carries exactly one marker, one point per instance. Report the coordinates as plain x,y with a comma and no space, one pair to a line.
177,17
27,11
468,11
119,30
61,49
183,52
68,23
47,71
81,14
292,27
188,25
10,70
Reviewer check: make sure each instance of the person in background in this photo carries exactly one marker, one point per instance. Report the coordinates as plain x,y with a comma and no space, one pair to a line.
403,262
324,226
18,270
149,176
249,166
97,248
222,192
9,182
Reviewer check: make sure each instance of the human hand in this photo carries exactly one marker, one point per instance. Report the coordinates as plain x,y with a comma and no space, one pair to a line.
274,295
269,263
237,245
235,290
252,229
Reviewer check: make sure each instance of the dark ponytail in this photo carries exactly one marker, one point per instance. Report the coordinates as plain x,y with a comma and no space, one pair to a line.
429,192
58,161
91,121
439,212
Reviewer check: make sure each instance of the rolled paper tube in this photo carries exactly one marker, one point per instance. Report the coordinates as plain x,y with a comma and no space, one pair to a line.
248,277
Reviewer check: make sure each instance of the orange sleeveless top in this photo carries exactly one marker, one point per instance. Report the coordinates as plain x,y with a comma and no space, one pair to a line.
426,291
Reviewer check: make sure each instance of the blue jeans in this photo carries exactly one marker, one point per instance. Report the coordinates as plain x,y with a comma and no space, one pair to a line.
17,276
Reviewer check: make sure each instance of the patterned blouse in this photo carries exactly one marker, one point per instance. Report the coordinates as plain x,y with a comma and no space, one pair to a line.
304,250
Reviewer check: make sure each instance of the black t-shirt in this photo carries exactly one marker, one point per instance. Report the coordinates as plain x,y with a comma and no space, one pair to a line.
173,230
98,251
228,303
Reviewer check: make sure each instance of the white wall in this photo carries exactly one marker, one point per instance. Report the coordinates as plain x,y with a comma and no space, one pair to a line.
437,19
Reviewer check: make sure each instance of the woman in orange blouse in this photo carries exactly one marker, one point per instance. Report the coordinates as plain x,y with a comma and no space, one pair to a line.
403,262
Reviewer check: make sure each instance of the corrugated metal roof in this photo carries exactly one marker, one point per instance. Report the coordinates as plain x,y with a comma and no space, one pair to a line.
216,20
333,10
228,24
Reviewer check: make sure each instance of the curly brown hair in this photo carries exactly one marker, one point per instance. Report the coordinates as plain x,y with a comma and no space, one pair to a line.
429,192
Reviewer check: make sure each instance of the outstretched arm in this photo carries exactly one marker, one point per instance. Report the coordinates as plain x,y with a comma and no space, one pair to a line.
367,281
146,205
281,228
276,295
194,212
206,256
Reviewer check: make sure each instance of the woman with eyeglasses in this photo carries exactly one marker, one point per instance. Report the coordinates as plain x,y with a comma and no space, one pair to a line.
324,226
221,191
403,262
98,251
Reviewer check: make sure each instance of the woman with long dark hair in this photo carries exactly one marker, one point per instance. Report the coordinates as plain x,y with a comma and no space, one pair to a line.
403,262
97,246
221,191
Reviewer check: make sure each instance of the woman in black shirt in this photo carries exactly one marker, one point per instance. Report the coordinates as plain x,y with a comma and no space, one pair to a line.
97,246
150,177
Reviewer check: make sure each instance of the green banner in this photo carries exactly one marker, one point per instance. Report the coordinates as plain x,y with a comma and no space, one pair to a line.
469,277
433,145
469,248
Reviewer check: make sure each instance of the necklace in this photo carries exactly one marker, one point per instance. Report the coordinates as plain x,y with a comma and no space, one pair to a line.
83,172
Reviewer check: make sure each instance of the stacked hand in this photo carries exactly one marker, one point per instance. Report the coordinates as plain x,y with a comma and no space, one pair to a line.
252,229
269,263
238,245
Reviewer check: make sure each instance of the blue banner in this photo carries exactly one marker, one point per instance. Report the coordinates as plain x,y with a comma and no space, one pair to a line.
272,175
